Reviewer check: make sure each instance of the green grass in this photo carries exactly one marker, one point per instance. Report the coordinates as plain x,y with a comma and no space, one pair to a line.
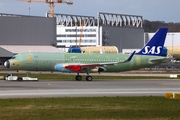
90,108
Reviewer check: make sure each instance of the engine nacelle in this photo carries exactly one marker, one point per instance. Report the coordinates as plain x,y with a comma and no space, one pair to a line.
61,68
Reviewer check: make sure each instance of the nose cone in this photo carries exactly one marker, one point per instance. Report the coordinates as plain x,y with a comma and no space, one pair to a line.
7,64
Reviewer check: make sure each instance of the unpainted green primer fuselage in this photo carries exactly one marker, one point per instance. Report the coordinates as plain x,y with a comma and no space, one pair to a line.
47,61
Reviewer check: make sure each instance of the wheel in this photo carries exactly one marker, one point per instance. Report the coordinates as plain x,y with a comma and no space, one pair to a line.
88,78
19,79
78,77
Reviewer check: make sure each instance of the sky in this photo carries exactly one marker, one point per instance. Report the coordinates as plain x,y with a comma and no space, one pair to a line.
152,10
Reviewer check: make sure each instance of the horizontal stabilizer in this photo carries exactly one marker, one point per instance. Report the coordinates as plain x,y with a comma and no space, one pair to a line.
161,60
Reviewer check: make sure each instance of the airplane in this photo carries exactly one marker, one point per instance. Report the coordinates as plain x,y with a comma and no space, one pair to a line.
153,53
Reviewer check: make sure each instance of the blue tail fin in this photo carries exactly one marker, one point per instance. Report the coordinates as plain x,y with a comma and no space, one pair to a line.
155,46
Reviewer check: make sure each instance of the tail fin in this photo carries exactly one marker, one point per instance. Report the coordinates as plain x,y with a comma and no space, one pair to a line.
155,46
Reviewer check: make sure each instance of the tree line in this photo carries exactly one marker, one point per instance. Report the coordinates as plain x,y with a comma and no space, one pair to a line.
152,26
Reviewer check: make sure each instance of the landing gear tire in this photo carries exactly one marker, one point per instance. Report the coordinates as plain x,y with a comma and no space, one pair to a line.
19,79
88,78
78,77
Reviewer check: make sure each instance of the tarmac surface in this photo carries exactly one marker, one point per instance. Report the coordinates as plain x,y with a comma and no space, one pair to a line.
67,88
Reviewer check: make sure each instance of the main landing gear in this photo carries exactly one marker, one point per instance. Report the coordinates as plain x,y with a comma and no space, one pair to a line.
79,77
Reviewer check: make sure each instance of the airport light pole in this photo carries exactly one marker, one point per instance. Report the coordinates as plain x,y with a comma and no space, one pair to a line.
172,43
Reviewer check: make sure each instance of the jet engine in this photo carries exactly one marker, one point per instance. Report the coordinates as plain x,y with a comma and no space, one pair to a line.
61,68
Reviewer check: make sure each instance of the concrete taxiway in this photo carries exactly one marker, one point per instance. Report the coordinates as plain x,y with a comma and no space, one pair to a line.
66,88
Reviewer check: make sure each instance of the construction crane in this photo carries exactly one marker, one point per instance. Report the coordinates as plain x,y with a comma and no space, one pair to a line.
51,4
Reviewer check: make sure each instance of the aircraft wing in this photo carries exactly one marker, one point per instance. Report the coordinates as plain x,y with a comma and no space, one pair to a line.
79,67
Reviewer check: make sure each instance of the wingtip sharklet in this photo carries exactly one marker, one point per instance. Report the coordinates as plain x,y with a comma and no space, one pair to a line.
130,57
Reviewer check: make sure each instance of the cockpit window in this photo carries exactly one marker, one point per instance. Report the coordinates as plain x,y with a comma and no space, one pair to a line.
16,57
13,57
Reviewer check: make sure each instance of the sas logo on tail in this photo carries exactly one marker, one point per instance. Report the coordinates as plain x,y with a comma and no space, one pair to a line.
152,50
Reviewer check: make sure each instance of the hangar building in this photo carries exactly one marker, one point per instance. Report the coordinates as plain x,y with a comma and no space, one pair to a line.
20,33
108,29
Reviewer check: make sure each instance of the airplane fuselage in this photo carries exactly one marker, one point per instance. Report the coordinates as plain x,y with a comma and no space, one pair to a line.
47,61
